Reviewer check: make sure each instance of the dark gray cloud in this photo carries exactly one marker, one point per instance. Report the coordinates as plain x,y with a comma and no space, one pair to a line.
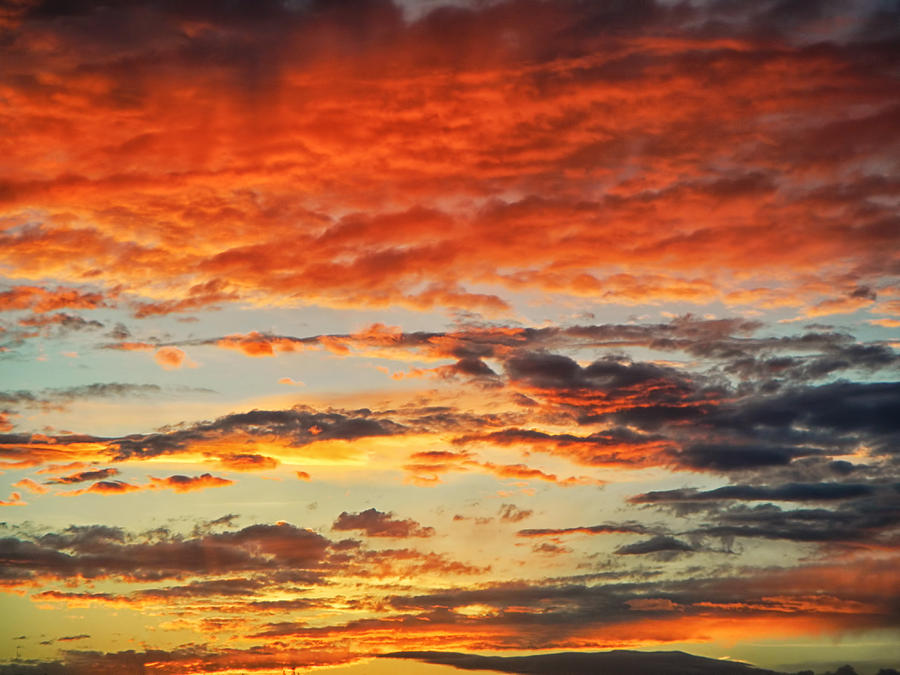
789,492
607,528
299,426
873,519
736,455
99,551
657,544
83,476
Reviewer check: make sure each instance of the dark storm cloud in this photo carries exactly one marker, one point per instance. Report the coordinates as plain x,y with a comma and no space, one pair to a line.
790,492
299,426
643,394
873,520
840,407
736,456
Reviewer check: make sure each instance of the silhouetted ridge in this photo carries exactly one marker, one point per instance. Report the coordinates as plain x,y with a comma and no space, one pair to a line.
618,662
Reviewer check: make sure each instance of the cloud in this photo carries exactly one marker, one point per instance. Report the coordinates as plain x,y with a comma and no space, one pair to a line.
858,523
105,487
83,476
518,160
611,528
58,398
181,483
258,344
511,513
248,462
376,523
481,227
789,492
15,499
658,544
298,426
172,358
40,300
31,486
95,552
65,322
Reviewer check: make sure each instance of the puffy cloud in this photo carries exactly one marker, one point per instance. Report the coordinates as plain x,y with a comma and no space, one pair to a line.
101,552
716,192
172,358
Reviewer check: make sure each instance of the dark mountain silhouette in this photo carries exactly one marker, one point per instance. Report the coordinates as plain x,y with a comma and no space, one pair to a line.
618,662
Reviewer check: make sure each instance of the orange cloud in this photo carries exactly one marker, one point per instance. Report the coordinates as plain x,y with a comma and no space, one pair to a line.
32,486
104,487
248,462
673,202
172,358
40,300
257,344
15,499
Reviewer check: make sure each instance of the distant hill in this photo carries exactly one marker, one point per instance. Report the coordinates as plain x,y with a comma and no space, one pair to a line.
618,662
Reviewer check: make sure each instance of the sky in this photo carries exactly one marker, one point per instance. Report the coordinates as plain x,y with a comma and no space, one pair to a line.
331,329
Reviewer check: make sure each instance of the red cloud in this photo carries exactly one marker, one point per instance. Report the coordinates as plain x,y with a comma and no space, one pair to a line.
660,202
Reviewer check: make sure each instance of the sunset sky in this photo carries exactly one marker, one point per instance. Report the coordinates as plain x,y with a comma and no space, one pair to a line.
330,329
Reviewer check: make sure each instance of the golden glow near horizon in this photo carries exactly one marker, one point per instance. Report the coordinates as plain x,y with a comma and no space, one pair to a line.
336,329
